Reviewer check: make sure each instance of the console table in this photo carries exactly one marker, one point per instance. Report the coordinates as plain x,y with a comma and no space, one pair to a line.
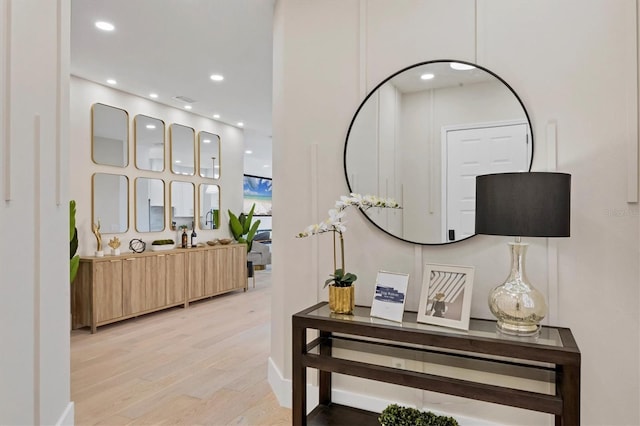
552,356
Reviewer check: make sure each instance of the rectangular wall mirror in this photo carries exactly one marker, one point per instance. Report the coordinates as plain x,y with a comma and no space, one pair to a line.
149,205
109,135
209,150
182,204
111,202
209,202
149,140
182,149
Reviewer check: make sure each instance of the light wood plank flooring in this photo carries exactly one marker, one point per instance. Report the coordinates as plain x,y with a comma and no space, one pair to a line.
205,365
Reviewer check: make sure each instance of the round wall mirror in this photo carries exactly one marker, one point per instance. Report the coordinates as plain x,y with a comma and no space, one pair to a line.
423,135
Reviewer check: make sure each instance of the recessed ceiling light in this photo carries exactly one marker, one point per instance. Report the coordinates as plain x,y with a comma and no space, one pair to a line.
187,107
216,167
216,115
104,26
266,165
177,161
153,95
112,81
151,126
207,141
216,77
426,76
240,123
461,67
248,151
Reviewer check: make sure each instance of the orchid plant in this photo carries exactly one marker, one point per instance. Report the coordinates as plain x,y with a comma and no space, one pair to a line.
335,224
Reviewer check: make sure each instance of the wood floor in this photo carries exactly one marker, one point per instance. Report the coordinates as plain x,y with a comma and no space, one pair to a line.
205,365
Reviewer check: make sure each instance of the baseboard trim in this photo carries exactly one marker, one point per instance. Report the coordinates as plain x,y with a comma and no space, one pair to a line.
68,416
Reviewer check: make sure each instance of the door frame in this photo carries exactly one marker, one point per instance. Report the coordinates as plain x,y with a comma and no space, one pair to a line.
445,155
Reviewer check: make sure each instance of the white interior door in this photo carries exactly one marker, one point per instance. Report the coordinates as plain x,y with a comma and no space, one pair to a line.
477,151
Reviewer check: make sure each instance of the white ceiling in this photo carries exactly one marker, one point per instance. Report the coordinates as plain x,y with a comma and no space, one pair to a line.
171,47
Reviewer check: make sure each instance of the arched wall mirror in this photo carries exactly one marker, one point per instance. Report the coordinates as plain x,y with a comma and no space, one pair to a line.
182,149
149,205
149,140
423,135
209,202
182,204
209,152
111,202
109,135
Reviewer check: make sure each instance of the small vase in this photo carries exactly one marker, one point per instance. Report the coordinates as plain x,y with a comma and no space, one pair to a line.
341,299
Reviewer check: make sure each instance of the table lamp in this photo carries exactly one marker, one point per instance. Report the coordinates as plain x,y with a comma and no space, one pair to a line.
533,204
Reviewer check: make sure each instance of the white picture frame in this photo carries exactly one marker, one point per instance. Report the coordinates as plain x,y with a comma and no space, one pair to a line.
445,297
390,295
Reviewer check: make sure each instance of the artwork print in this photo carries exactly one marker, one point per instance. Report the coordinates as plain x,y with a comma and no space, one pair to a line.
446,295
257,190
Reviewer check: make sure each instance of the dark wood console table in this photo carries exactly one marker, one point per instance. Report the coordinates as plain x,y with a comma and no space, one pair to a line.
551,357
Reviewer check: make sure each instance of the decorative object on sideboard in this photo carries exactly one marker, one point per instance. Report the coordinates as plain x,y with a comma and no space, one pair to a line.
137,246
114,243
73,242
341,300
96,231
534,204
445,298
162,245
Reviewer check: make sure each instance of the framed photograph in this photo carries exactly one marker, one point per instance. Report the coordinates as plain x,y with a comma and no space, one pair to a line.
257,190
390,295
445,298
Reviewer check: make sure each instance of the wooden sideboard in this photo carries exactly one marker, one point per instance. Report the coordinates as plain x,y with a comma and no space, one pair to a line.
551,357
114,288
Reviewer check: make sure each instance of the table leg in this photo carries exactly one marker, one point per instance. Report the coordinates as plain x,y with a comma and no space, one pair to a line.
568,386
325,376
299,375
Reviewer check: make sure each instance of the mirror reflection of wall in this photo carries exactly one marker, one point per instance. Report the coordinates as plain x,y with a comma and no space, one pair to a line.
209,196
423,135
109,135
182,149
149,140
182,204
149,198
111,202
209,150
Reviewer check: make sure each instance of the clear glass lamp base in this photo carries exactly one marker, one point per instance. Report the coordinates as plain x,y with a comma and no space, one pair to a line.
517,305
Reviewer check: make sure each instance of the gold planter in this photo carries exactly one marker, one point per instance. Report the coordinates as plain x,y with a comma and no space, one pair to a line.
342,300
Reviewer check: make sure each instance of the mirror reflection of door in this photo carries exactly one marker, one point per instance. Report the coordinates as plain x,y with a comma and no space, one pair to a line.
111,202
182,204
149,141
109,135
394,145
149,198
209,152
471,151
209,196
182,149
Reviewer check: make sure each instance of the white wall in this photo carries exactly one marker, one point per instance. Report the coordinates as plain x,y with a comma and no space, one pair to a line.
83,95
573,64
34,213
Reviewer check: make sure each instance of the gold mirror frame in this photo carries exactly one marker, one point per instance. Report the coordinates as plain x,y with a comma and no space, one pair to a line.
152,140
109,127
208,206
108,208
182,210
149,215
209,154
183,154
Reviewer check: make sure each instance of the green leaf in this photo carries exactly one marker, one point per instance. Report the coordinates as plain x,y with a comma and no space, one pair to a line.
73,245
72,218
234,224
75,262
247,223
349,278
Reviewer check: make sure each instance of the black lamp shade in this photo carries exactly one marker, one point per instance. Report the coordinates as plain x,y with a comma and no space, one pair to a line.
534,204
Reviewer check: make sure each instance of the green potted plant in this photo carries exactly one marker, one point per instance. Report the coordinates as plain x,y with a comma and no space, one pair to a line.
73,241
395,415
242,229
